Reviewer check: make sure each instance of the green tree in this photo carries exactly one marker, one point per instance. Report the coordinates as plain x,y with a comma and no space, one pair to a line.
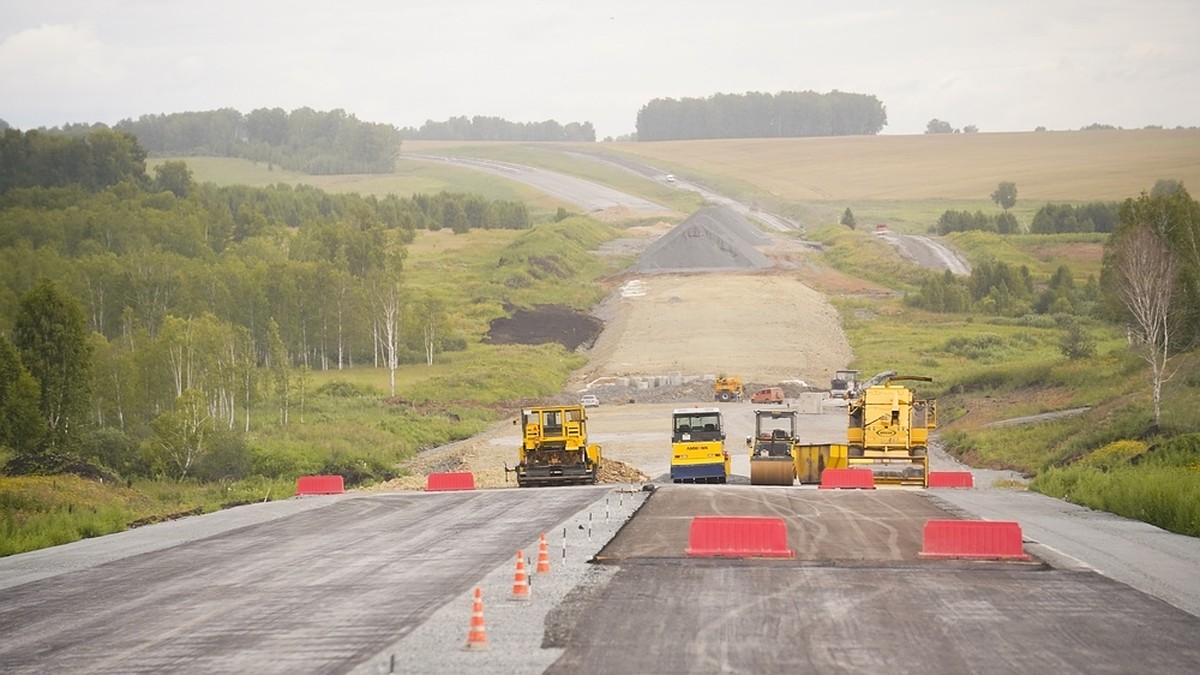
51,335
1174,218
281,370
180,435
1077,344
22,427
848,219
936,126
1005,195
174,177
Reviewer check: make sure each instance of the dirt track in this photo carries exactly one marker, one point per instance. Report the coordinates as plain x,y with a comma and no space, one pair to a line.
765,327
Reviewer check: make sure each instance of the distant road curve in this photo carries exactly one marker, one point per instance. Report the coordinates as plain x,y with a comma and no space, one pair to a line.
929,253
586,194
771,220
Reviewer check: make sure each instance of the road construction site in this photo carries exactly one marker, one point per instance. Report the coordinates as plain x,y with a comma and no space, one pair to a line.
378,583
385,580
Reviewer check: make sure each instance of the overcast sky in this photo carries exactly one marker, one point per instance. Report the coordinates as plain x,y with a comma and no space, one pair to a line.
1002,65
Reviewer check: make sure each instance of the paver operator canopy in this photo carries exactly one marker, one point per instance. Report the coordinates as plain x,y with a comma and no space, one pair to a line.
554,447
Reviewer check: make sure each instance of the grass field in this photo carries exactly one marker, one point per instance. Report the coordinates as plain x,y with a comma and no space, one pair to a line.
411,177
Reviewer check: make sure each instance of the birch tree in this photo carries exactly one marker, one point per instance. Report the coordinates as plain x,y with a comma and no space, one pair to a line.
181,434
1146,271
389,307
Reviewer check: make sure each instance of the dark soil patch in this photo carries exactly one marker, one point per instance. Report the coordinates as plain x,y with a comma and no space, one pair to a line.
49,464
546,323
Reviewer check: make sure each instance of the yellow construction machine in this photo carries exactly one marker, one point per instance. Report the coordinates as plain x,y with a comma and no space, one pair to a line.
729,389
771,458
698,446
889,429
554,447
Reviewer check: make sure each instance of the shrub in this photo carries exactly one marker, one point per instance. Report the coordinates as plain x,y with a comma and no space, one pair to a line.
985,347
343,389
1117,453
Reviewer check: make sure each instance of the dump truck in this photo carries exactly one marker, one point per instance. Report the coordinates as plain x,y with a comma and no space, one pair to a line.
772,461
844,384
888,430
554,447
698,452
729,389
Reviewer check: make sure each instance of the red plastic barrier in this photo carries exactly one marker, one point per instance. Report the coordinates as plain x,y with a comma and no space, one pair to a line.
863,479
973,540
320,485
954,479
443,482
738,537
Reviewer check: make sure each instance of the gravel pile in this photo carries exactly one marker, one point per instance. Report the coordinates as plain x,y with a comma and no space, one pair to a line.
713,238
517,632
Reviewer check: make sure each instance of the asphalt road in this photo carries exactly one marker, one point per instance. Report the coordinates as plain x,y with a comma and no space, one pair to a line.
773,618
316,591
856,598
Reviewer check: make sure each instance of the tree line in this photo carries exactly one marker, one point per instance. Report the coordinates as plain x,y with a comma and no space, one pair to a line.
161,296
761,115
305,140
1164,221
481,128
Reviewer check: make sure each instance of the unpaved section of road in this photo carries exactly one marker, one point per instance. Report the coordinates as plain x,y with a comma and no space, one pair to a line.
762,326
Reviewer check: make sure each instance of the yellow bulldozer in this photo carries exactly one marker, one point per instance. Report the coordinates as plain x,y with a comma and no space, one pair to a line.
888,430
554,447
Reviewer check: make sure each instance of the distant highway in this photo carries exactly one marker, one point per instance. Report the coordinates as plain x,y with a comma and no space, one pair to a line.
586,194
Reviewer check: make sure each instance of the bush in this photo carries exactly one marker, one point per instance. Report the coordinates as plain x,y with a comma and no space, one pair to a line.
343,389
985,347
1078,344
1115,454
227,458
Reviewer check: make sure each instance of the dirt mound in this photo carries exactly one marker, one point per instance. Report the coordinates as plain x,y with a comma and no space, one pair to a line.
545,323
615,471
713,238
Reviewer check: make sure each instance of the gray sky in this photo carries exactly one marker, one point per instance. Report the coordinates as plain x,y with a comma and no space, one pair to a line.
1002,65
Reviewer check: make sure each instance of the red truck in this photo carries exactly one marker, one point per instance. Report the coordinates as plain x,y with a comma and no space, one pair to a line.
768,395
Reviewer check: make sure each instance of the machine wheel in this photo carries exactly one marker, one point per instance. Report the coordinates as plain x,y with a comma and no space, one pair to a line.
724,396
919,451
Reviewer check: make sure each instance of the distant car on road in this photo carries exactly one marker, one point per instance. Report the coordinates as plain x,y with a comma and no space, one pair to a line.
670,178
589,401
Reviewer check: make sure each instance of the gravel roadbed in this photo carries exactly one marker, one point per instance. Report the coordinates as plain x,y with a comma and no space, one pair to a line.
517,630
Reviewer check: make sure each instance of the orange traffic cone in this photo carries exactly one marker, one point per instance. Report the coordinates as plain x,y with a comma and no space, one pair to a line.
520,589
477,636
543,561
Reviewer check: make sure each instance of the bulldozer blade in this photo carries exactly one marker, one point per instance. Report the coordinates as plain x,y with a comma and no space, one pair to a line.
774,471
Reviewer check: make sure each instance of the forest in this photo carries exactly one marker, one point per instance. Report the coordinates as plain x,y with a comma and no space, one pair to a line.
483,128
304,140
137,304
761,115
